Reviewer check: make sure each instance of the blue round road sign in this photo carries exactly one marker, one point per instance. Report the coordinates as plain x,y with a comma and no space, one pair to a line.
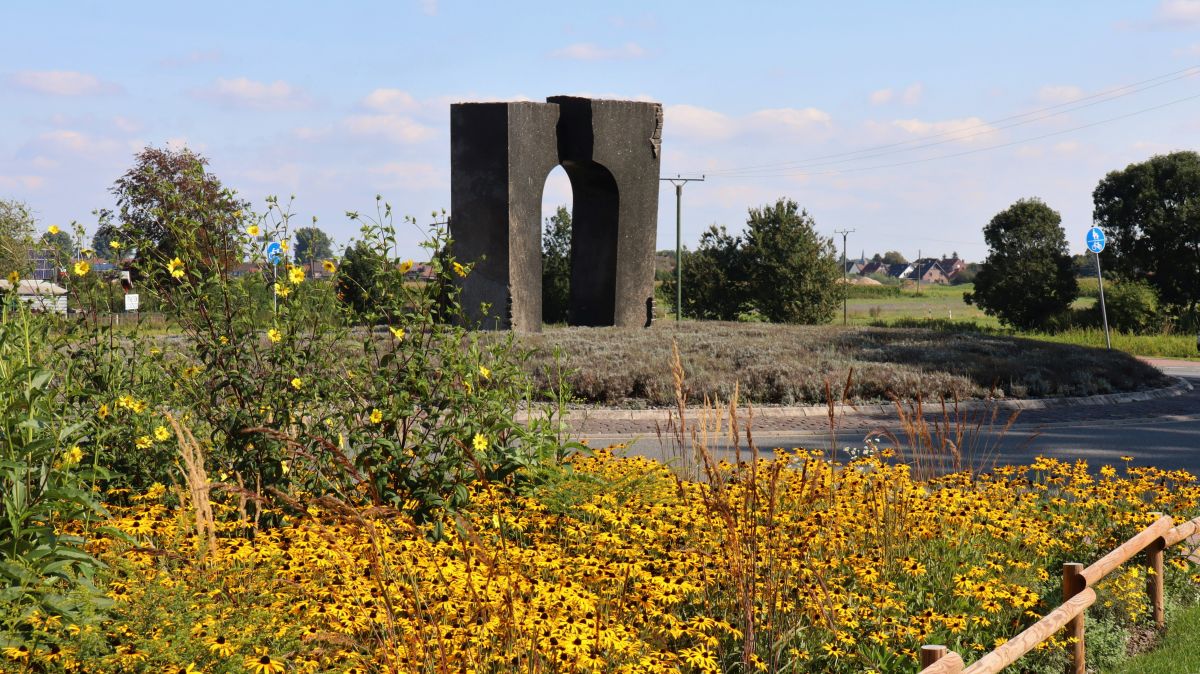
1095,240
274,252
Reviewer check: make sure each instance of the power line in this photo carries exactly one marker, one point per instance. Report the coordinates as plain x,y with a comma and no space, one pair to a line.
979,129
845,280
966,152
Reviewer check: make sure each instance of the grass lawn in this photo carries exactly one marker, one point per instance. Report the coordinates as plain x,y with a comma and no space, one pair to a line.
1177,653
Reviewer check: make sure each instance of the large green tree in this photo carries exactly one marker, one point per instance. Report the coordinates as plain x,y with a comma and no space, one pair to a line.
715,282
794,271
168,194
1151,214
556,266
59,245
16,237
358,277
312,245
1027,277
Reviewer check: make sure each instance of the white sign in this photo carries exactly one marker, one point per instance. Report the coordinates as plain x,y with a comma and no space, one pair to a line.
131,302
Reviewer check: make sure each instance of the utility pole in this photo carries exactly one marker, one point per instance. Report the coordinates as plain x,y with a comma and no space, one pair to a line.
918,271
679,181
845,281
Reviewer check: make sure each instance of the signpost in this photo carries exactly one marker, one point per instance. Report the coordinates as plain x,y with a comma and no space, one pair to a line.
274,256
1095,243
131,302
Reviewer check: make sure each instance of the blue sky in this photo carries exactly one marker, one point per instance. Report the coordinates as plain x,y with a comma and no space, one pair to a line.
336,103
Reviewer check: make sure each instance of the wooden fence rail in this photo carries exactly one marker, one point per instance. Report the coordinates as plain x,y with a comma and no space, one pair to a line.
1078,595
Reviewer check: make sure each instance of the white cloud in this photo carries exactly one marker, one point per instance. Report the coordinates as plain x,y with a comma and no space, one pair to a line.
429,7
1059,93
21,182
587,51
791,119
965,130
390,100
408,175
881,96
690,121
1067,147
910,95
62,83
127,124
395,128
242,92
1178,12
64,141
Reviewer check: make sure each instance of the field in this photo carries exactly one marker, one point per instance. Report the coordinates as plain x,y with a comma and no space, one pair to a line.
781,364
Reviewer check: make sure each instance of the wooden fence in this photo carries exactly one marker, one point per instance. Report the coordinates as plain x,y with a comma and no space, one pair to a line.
1078,595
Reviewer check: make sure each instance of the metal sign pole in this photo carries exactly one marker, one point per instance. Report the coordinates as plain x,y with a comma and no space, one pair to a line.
1103,310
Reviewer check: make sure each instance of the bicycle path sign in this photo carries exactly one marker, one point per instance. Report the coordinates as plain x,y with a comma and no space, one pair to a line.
1095,240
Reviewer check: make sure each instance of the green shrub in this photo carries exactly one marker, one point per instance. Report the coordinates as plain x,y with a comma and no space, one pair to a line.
1132,307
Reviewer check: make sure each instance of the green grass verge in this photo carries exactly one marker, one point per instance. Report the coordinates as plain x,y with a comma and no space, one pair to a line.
1177,653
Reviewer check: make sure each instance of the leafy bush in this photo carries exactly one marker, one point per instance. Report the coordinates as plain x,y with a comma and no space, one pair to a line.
1132,307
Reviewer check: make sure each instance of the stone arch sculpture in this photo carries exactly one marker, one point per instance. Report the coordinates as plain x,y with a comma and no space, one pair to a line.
500,156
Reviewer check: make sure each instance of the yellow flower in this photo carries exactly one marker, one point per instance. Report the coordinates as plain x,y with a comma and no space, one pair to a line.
115,245
484,372
283,245
297,383
14,278
143,442
274,335
53,229
221,646
376,416
253,230
329,266
73,456
296,275
398,333
282,290
460,270
480,442
17,652
406,266
103,411
82,268
262,664
176,268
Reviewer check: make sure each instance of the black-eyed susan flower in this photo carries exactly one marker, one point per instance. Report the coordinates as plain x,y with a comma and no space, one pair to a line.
328,266
480,442
406,266
14,277
82,267
296,275
161,433
219,645
262,664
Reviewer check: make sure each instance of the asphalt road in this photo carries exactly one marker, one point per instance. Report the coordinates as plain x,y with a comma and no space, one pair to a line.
1163,433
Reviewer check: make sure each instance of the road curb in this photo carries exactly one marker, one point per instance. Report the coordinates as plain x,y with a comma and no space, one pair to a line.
1180,387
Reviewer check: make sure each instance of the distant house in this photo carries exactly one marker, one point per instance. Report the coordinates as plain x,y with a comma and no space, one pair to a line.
928,270
952,266
900,270
854,267
39,295
243,269
873,268
420,271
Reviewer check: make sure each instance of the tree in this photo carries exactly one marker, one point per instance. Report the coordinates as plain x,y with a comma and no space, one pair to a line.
556,267
793,271
168,196
106,235
16,237
1150,212
312,245
60,245
358,277
894,257
715,280
1027,277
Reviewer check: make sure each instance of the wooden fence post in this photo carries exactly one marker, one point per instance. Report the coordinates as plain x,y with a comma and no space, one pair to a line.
1154,583
1072,584
931,653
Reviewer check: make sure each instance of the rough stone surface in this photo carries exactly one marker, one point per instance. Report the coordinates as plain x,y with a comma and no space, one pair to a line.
501,154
